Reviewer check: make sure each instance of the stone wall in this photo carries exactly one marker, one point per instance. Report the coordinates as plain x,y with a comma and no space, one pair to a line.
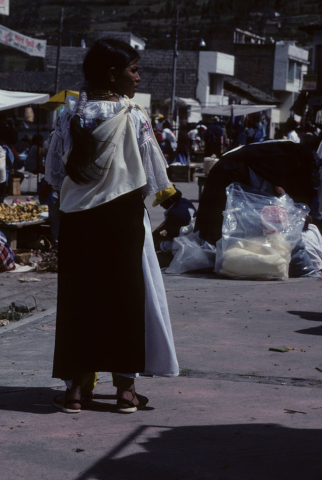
70,59
254,64
155,70
156,73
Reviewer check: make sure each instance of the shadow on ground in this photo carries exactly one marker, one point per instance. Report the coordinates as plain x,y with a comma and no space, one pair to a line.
234,452
313,317
40,401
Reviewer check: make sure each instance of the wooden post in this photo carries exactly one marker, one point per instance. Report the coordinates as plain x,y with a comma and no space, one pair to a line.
58,49
174,71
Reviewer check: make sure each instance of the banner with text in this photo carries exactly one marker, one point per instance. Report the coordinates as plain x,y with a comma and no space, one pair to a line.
4,7
32,46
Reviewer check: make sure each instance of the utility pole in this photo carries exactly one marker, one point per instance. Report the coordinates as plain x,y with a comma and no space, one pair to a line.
174,67
58,48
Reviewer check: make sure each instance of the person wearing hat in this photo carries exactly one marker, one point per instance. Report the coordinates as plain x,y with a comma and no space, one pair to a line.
178,213
159,122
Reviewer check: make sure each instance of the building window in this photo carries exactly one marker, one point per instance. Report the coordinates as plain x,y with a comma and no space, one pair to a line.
294,71
298,71
212,84
291,71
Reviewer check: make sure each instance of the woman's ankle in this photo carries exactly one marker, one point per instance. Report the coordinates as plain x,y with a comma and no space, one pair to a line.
75,392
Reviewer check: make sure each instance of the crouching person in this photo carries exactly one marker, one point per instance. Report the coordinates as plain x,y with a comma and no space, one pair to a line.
7,261
178,213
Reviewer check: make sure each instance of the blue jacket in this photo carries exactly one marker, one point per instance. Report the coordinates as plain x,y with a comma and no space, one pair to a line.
178,216
9,161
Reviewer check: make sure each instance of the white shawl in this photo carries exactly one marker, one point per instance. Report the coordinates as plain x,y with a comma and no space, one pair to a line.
118,166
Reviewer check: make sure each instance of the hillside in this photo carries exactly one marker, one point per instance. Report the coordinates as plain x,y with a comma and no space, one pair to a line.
154,19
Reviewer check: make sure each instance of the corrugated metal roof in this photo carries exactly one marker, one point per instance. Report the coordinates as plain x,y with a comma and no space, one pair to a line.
253,94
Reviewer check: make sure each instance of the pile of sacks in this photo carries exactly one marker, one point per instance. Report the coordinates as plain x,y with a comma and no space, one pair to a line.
261,239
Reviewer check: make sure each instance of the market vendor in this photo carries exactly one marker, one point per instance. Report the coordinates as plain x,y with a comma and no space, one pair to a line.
179,212
275,167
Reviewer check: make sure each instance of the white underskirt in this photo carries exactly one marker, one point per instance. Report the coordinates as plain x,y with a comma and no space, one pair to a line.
160,355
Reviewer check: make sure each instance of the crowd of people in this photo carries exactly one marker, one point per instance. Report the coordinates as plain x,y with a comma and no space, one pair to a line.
219,135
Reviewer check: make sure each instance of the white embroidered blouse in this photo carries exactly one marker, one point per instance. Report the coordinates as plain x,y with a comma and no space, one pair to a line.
95,113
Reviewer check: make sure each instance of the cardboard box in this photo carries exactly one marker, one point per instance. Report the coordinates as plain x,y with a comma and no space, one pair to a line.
179,173
14,186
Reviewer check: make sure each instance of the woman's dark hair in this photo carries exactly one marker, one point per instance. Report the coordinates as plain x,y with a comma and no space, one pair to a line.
103,55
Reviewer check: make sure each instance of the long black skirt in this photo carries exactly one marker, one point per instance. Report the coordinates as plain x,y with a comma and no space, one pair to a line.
101,294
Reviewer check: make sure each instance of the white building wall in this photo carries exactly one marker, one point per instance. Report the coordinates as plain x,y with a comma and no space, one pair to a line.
287,99
280,67
284,53
213,63
137,42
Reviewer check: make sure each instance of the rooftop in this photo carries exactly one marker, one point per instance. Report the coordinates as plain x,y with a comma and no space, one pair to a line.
313,26
244,91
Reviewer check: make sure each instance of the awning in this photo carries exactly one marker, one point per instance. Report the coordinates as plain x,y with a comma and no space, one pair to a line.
18,99
235,110
59,99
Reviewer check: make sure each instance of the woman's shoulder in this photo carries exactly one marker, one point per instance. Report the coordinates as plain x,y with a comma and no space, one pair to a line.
141,122
138,113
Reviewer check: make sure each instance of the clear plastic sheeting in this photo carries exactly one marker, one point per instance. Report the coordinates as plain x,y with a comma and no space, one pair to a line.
191,252
301,264
258,235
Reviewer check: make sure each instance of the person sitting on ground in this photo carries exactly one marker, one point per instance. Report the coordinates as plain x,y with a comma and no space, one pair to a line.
7,261
312,240
33,161
179,212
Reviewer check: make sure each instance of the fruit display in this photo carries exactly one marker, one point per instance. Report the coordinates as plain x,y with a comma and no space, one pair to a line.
21,212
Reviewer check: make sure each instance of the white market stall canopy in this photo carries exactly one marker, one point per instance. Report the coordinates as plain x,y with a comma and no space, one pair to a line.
18,99
235,110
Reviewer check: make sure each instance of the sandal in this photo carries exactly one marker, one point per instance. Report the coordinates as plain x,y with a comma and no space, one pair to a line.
127,406
70,405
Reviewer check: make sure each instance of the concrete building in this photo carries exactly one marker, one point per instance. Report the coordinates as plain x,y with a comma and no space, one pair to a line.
274,68
277,69
199,80
212,68
136,41
290,65
313,85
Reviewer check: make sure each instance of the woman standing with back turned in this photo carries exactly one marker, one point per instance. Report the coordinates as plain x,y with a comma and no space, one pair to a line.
112,313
